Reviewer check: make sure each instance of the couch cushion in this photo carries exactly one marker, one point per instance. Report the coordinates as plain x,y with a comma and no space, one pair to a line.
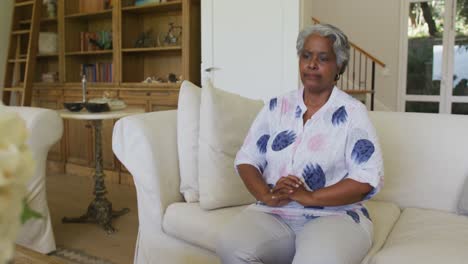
423,154
426,236
384,216
189,222
225,119
188,120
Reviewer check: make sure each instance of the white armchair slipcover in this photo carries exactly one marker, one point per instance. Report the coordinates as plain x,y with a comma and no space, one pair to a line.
45,129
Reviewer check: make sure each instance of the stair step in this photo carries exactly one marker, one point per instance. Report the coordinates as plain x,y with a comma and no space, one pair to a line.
20,32
25,3
357,91
13,89
16,60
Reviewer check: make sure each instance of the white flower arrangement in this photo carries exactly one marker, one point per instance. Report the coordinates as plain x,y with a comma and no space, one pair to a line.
16,167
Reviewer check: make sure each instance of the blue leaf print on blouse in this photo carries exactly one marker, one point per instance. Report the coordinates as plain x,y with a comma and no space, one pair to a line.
283,140
314,177
271,186
339,116
354,216
362,151
310,216
262,167
262,143
370,194
314,207
344,177
273,104
298,112
365,213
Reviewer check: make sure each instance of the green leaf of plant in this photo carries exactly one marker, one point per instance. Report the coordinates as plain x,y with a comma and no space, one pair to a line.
28,213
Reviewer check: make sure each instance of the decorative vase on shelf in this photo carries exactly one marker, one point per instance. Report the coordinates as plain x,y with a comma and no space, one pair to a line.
51,8
16,167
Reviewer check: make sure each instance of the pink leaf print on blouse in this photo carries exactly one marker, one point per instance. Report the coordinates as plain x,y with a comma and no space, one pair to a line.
284,171
297,143
284,106
316,142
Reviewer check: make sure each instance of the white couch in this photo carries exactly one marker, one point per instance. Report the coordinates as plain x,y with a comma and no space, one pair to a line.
415,220
45,129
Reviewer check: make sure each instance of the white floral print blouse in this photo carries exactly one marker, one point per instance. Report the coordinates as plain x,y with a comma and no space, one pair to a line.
336,143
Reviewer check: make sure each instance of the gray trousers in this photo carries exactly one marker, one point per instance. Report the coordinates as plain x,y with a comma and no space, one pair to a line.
258,237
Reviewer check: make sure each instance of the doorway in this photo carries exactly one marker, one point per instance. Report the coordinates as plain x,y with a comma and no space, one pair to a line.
434,56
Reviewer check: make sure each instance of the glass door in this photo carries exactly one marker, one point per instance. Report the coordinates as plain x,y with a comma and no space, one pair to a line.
435,48
458,62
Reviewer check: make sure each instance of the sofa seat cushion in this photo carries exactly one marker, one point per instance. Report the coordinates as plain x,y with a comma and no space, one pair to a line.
426,236
384,215
191,223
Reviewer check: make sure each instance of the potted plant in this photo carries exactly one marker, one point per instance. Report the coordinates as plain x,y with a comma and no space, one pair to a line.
16,167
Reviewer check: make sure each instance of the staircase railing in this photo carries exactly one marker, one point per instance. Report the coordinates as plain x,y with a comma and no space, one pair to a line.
359,77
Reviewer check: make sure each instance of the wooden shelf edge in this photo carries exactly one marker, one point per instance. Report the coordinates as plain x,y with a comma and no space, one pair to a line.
150,85
94,52
47,55
152,49
103,13
47,85
91,84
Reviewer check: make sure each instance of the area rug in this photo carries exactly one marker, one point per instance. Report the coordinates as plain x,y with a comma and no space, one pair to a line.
74,256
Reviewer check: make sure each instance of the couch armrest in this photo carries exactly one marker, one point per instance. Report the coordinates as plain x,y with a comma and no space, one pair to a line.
44,125
146,144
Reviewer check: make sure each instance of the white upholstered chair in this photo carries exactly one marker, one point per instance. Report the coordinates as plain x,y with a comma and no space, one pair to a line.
45,129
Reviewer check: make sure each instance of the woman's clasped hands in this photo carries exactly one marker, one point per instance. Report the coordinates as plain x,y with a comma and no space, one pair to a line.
288,188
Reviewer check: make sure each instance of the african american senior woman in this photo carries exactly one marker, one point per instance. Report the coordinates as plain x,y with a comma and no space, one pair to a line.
310,158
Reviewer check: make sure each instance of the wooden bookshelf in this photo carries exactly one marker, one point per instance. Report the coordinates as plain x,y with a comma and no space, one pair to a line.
131,65
106,14
89,53
152,8
152,49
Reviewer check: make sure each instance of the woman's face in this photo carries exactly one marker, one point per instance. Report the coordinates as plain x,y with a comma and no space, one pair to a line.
317,63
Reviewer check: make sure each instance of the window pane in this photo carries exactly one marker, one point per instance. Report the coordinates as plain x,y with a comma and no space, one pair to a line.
460,108
425,32
422,107
460,63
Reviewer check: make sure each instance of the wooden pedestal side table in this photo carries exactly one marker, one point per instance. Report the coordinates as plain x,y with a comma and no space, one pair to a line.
100,209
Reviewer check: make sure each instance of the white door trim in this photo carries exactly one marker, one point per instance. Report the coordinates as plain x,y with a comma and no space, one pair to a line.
207,39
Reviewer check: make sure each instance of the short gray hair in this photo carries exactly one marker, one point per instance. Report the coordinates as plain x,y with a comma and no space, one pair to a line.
340,42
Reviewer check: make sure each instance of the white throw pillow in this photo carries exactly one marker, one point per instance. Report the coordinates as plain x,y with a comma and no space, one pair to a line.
188,120
225,119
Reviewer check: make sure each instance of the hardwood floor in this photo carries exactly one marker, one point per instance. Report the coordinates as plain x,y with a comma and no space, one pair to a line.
70,195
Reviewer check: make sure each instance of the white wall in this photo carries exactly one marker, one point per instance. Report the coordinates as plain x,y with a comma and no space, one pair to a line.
252,46
374,26
6,8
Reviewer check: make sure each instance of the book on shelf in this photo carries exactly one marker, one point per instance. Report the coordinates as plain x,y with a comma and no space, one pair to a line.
97,72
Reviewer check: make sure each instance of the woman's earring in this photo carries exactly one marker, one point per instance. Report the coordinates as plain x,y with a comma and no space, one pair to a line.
337,77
